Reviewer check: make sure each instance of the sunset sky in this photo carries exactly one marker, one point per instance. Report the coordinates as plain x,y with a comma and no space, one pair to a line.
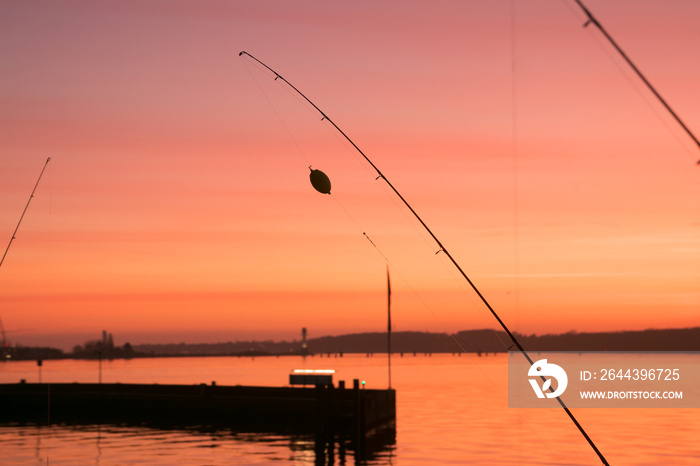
177,204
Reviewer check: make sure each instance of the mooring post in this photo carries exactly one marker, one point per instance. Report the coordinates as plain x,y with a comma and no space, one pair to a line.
360,431
319,444
325,421
330,419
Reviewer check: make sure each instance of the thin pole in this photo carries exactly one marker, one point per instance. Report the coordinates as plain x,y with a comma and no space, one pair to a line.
440,245
388,313
596,23
25,210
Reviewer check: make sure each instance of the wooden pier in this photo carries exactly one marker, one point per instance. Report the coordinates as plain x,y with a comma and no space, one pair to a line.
324,410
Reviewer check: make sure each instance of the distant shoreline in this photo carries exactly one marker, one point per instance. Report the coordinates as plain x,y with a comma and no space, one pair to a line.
467,341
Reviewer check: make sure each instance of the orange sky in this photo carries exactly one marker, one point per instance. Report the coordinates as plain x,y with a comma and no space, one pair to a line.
177,205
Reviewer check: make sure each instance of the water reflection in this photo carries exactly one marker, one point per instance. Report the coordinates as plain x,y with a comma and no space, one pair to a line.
123,444
450,410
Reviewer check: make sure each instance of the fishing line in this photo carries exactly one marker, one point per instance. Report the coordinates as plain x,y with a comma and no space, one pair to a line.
415,292
345,144
444,250
277,76
487,324
406,282
634,84
312,112
349,149
516,205
412,222
279,117
387,194
340,205
516,184
591,20
330,126
394,267
429,247
471,302
338,130
516,210
514,109
451,270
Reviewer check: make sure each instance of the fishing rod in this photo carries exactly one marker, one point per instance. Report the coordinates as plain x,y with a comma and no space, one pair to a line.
25,211
439,243
596,23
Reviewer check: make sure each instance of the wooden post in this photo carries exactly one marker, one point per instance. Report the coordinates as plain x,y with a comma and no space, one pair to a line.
360,430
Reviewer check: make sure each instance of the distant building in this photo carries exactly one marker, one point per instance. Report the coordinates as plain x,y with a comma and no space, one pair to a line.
102,348
304,347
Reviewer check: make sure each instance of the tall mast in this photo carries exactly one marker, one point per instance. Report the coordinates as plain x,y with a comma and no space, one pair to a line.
388,327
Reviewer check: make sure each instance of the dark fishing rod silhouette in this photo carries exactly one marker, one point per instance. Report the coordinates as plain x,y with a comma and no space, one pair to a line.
24,212
596,23
442,248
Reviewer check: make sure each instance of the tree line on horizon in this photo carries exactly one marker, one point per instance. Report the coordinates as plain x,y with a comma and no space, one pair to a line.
410,342
470,341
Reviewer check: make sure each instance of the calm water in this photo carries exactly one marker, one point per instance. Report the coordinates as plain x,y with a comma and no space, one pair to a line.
450,410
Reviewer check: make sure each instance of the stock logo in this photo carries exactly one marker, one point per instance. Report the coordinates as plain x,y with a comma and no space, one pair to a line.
542,370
